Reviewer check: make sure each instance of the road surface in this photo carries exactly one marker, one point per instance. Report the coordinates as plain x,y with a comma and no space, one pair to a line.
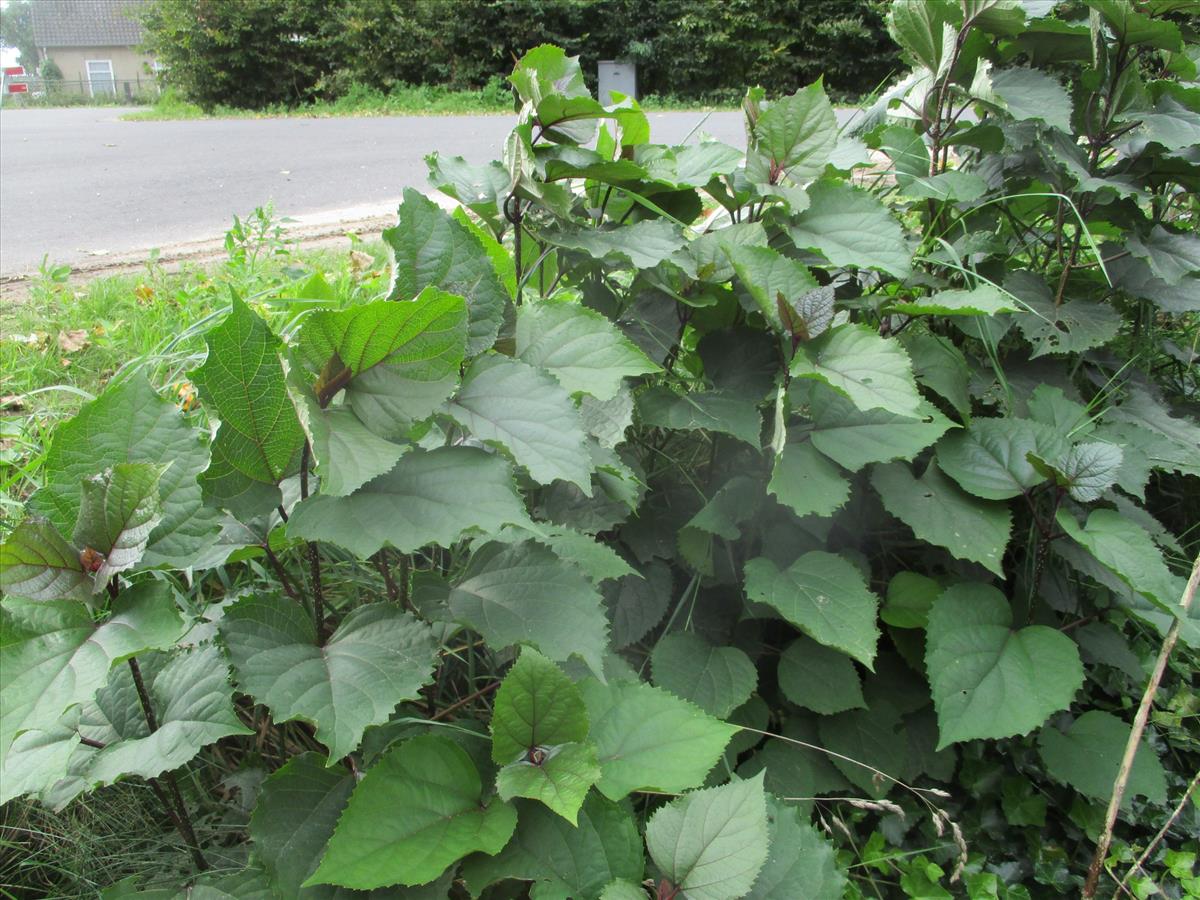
74,182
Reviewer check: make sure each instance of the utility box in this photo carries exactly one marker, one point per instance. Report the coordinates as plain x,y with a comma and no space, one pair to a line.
616,75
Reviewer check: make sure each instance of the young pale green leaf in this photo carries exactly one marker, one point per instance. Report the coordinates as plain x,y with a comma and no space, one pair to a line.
648,739
37,564
430,497
130,422
537,706
816,677
801,862
429,248
989,681
798,133
527,412
717,679
577,861
990,458
807,483
559,776
850,227
579,347
873,372
1126,549
984,300
260,438
378,657
416,812
853,437
784,290
824,596
117,513
1088,755
642,245
711,844
55,656
526,594
939,512
708,410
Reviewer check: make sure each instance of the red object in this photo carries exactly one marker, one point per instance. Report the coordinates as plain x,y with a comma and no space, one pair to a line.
14,71
18,88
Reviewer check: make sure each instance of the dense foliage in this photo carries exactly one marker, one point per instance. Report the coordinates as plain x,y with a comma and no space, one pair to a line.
796,522
255,52
16,31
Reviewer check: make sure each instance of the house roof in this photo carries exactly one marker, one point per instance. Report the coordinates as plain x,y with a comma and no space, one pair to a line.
86,23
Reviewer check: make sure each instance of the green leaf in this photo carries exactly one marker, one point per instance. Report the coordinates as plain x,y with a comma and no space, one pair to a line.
636,604
708,410
734,503
564,860
805,482
824,596
1089,469
1126,549
1133,27
853,437
798,133
711,844
867,738
117,513
951,186
801,862
559,776
537,706
939,366
909,598
260,438
579,347
1088,754
918,28
850,227
648,739
378,657
607,420
939,512
717,679
510,403
1172,257
642,245
429,248
873,372
294,817
785,291
816,677
1170,123
37,564
987,680
430,497
990,458
1032,94
54,656
984,300
417,811
130,422
597,560
39,760
526,594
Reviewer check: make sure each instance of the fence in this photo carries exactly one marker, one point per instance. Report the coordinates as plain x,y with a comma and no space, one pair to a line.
44,91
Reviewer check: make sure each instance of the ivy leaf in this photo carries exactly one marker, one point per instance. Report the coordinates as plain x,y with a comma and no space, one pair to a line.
853,437
130,422
939,512
873,372
798,133
510,403
37,564
117,513
717,679
989,681
378,657
430,497
579,347
537,706
711,844
708,410
824,596
807,483
642,245
260,438
526,594
785,291
801,862
816,677
429,248
990,458
55,656
1088,754
564,860
648,739
559,776
850,227
416,812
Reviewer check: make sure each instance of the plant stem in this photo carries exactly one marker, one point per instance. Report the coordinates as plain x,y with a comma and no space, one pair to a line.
314,555
442,713
1135,735
381,563
280,572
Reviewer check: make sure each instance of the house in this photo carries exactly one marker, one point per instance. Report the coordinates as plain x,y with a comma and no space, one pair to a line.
95,44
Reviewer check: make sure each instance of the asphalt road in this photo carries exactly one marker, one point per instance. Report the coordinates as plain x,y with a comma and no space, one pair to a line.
77,181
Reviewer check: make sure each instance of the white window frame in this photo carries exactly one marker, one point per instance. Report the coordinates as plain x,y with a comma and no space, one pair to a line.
112,76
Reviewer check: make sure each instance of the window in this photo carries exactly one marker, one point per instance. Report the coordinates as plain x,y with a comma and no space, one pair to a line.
100,77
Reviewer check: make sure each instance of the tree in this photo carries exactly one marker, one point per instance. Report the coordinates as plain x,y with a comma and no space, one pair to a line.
16,30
